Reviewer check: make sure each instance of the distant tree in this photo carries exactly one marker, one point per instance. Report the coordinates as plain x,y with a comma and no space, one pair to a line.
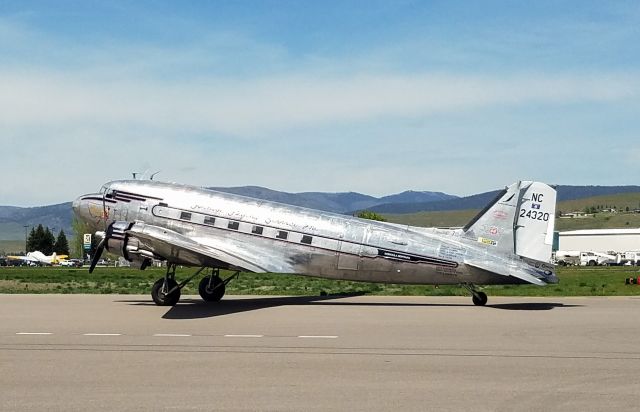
61,246
38,241
32,241
79,229
367,214
48,242
41,239
626,209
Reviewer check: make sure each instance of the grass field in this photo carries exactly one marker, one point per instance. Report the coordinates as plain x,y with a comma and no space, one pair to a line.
581,281
11,246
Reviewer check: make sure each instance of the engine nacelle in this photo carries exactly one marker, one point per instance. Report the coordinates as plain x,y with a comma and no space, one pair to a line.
129,247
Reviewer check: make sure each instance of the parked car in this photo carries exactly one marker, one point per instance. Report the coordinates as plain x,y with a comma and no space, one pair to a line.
71,263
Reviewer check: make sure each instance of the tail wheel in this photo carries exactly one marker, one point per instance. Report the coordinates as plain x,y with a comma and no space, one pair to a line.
159,292
479,298
211,288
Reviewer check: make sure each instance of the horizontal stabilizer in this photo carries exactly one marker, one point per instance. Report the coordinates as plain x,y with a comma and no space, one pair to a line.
502,269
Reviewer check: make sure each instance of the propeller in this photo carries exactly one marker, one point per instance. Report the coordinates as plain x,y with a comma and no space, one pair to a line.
104,235
99,250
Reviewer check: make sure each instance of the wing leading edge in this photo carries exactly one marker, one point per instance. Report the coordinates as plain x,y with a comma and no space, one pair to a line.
178,248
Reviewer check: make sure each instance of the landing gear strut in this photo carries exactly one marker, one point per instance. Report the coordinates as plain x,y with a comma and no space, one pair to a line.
479,298
212,287
166,291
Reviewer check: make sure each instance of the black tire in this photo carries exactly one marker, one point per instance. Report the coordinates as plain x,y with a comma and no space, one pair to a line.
479,299
213,293
160,298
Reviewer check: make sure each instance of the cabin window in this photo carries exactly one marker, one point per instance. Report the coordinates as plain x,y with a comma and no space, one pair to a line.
208,220
282,234
163,204
306,239
257,230
233,225
185,216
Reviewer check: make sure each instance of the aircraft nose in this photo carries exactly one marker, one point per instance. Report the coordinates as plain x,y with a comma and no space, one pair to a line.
80,208
76,206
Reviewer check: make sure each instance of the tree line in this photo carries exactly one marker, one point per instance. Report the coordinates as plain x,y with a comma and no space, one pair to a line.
43,240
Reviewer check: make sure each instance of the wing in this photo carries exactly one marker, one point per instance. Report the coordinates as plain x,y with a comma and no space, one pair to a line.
205,251
23,258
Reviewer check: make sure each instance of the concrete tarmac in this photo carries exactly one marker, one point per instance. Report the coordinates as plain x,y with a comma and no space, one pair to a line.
121,352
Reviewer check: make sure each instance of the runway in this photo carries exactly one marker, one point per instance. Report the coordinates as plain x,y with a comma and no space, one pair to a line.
121,352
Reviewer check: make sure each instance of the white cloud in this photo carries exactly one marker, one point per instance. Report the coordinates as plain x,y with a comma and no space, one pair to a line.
258,107
226,110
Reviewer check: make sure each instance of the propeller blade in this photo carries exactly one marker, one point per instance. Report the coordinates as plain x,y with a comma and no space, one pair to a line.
104,210
97,255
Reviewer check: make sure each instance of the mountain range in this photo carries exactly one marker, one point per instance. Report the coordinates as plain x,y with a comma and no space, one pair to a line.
478,201
345,202
56,217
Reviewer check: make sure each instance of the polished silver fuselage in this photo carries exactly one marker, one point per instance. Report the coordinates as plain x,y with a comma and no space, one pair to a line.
294,239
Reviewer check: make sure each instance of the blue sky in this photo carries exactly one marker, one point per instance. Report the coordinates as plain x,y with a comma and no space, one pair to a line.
374,97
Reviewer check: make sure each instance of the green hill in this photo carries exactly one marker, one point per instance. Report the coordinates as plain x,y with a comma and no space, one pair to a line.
599,220
450,218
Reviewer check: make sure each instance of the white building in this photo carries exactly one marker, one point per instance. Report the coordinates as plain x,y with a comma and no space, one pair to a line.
600,240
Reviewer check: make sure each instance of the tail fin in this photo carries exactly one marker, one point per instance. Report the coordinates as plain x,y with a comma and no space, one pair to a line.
520,221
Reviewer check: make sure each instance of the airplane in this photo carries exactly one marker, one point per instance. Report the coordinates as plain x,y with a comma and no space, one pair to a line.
508,242
40,258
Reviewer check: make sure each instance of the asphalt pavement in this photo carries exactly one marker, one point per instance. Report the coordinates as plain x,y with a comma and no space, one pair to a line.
246,353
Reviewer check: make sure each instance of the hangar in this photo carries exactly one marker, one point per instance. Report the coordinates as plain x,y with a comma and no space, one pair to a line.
600,240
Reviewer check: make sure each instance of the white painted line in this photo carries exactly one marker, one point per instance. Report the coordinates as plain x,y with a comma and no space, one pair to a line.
34,333
243,336
102,334
318,336
171,335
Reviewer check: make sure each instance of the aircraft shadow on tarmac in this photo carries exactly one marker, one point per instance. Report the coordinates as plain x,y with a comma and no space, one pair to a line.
532,306
196,308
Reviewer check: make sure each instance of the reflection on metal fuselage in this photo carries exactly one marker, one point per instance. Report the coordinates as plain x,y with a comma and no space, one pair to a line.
300,240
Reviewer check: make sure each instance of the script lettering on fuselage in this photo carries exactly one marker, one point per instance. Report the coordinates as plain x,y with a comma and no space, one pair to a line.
207,209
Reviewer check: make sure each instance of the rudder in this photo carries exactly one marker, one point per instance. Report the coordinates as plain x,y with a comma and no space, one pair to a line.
535,222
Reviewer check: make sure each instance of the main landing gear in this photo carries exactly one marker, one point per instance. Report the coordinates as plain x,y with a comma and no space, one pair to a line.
212,287
166,290
479,298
